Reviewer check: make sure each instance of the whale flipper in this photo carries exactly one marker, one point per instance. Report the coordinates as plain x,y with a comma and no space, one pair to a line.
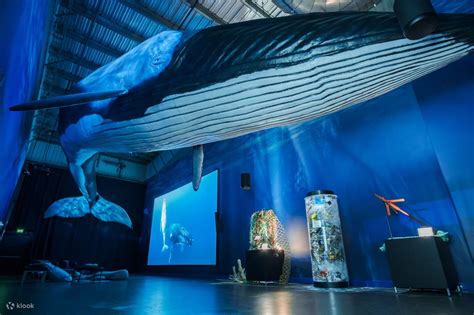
73,207
110,212
68,100
198,161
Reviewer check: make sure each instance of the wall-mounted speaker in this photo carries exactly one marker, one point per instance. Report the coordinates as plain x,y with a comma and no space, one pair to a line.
245,181
417,18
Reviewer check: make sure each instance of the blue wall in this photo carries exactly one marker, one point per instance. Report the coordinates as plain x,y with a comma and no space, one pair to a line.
415,143
22,37
446,101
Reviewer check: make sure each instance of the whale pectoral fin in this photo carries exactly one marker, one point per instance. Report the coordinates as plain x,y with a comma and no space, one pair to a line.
198,161
110,212
73,207
68,100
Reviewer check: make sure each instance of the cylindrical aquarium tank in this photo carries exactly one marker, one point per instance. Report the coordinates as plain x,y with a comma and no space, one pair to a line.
328,261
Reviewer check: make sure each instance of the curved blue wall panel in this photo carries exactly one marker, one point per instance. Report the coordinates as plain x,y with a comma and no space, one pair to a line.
22,38
447,103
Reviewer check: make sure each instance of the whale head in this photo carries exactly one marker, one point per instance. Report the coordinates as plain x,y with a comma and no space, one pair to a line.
144,62
157,51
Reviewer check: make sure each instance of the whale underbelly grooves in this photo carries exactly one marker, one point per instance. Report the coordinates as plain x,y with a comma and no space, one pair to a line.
275,97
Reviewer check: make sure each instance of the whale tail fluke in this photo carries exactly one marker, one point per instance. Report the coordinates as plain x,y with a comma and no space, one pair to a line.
110,212
74,207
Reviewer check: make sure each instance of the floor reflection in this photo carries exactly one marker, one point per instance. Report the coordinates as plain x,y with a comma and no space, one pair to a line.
277,303
160,295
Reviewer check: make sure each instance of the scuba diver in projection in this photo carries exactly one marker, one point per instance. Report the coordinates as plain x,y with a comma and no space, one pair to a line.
179,90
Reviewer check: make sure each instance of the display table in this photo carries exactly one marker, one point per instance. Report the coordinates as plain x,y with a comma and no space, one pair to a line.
264,265
35,269
421,263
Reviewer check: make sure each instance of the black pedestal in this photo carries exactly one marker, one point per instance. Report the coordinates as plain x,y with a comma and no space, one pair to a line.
421,263
264,265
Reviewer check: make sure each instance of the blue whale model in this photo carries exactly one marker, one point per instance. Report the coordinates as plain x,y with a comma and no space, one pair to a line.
184,90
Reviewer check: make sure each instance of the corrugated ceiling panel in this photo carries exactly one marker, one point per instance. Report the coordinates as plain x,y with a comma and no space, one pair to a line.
196,21
47,153
97,56
270,7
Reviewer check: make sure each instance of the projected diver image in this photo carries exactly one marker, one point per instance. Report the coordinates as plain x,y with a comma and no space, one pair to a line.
183,226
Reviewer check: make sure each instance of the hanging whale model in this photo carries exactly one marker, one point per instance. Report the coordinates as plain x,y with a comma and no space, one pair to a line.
180,90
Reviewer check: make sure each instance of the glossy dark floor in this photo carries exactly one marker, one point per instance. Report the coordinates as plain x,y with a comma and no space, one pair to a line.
157,295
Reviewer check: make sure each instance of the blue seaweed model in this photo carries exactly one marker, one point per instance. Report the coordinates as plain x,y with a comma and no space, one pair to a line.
184,90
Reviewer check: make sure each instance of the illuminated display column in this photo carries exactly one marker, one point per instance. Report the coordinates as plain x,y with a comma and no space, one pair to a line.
328,261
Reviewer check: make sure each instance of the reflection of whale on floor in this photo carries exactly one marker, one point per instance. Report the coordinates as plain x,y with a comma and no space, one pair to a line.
178,235
179,90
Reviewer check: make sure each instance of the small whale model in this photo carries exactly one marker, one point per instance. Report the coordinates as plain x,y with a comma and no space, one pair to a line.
180,90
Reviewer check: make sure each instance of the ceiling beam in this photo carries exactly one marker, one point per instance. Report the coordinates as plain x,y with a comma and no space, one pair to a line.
252,5
62,55
147,12
83,39
205,11
284,6
50,135
49,87
102,20
63,74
